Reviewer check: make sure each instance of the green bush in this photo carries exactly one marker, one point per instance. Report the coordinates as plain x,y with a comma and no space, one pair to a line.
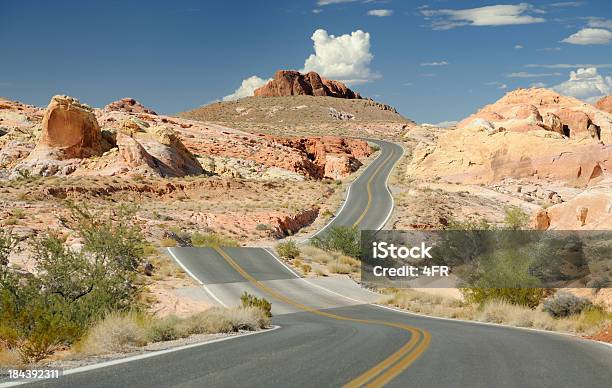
340,239
249,300
288,249
69,290
212,240
565,304
504,276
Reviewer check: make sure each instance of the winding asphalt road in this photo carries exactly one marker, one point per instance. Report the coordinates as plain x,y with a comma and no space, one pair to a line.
331,335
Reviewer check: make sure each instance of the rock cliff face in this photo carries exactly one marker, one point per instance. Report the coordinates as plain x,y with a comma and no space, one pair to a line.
294,83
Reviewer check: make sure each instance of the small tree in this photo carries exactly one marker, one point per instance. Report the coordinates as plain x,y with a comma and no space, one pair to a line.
340,239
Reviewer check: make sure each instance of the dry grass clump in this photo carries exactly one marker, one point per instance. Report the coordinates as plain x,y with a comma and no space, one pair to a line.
589,321
220,320
339,268
330,262
425,303
124,332
115,333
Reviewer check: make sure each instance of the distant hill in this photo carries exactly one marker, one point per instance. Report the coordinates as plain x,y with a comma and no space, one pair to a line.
296,110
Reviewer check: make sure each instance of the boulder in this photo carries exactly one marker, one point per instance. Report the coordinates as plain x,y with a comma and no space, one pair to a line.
294,83
553,123
69,130
541,220
171,155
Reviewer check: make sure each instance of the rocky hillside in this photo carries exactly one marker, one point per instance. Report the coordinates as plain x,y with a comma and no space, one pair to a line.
534,146
293,83
70,138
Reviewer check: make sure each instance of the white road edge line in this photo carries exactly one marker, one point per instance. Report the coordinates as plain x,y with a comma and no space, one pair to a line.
195,278
141,356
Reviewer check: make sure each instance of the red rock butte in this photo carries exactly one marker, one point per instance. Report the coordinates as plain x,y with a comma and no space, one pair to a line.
294,83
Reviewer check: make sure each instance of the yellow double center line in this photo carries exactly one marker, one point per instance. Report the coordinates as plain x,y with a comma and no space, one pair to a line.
369,189
381,373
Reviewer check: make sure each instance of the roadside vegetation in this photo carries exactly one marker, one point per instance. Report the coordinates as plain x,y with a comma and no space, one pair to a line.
521,303
588,320
335,253
80,298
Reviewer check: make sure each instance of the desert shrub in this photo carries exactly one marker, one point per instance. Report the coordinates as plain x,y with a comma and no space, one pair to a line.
306,268
341,239
515,218
288,249
564,304
263,227
212,240
249,300
530,297
117,332
504,275
327,214
226,320
166,329
69,290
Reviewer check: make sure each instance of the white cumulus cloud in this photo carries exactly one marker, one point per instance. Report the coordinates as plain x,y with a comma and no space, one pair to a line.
492,15
380,12
518,46
586,84
247,88
590,36
346,57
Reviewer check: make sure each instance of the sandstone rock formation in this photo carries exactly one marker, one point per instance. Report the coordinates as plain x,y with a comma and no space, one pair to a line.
171,155
69,130
605,104
475,156
529,133
532,109
294,83
128,105
332,157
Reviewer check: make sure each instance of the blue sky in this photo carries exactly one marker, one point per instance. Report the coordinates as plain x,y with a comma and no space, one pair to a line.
174,56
